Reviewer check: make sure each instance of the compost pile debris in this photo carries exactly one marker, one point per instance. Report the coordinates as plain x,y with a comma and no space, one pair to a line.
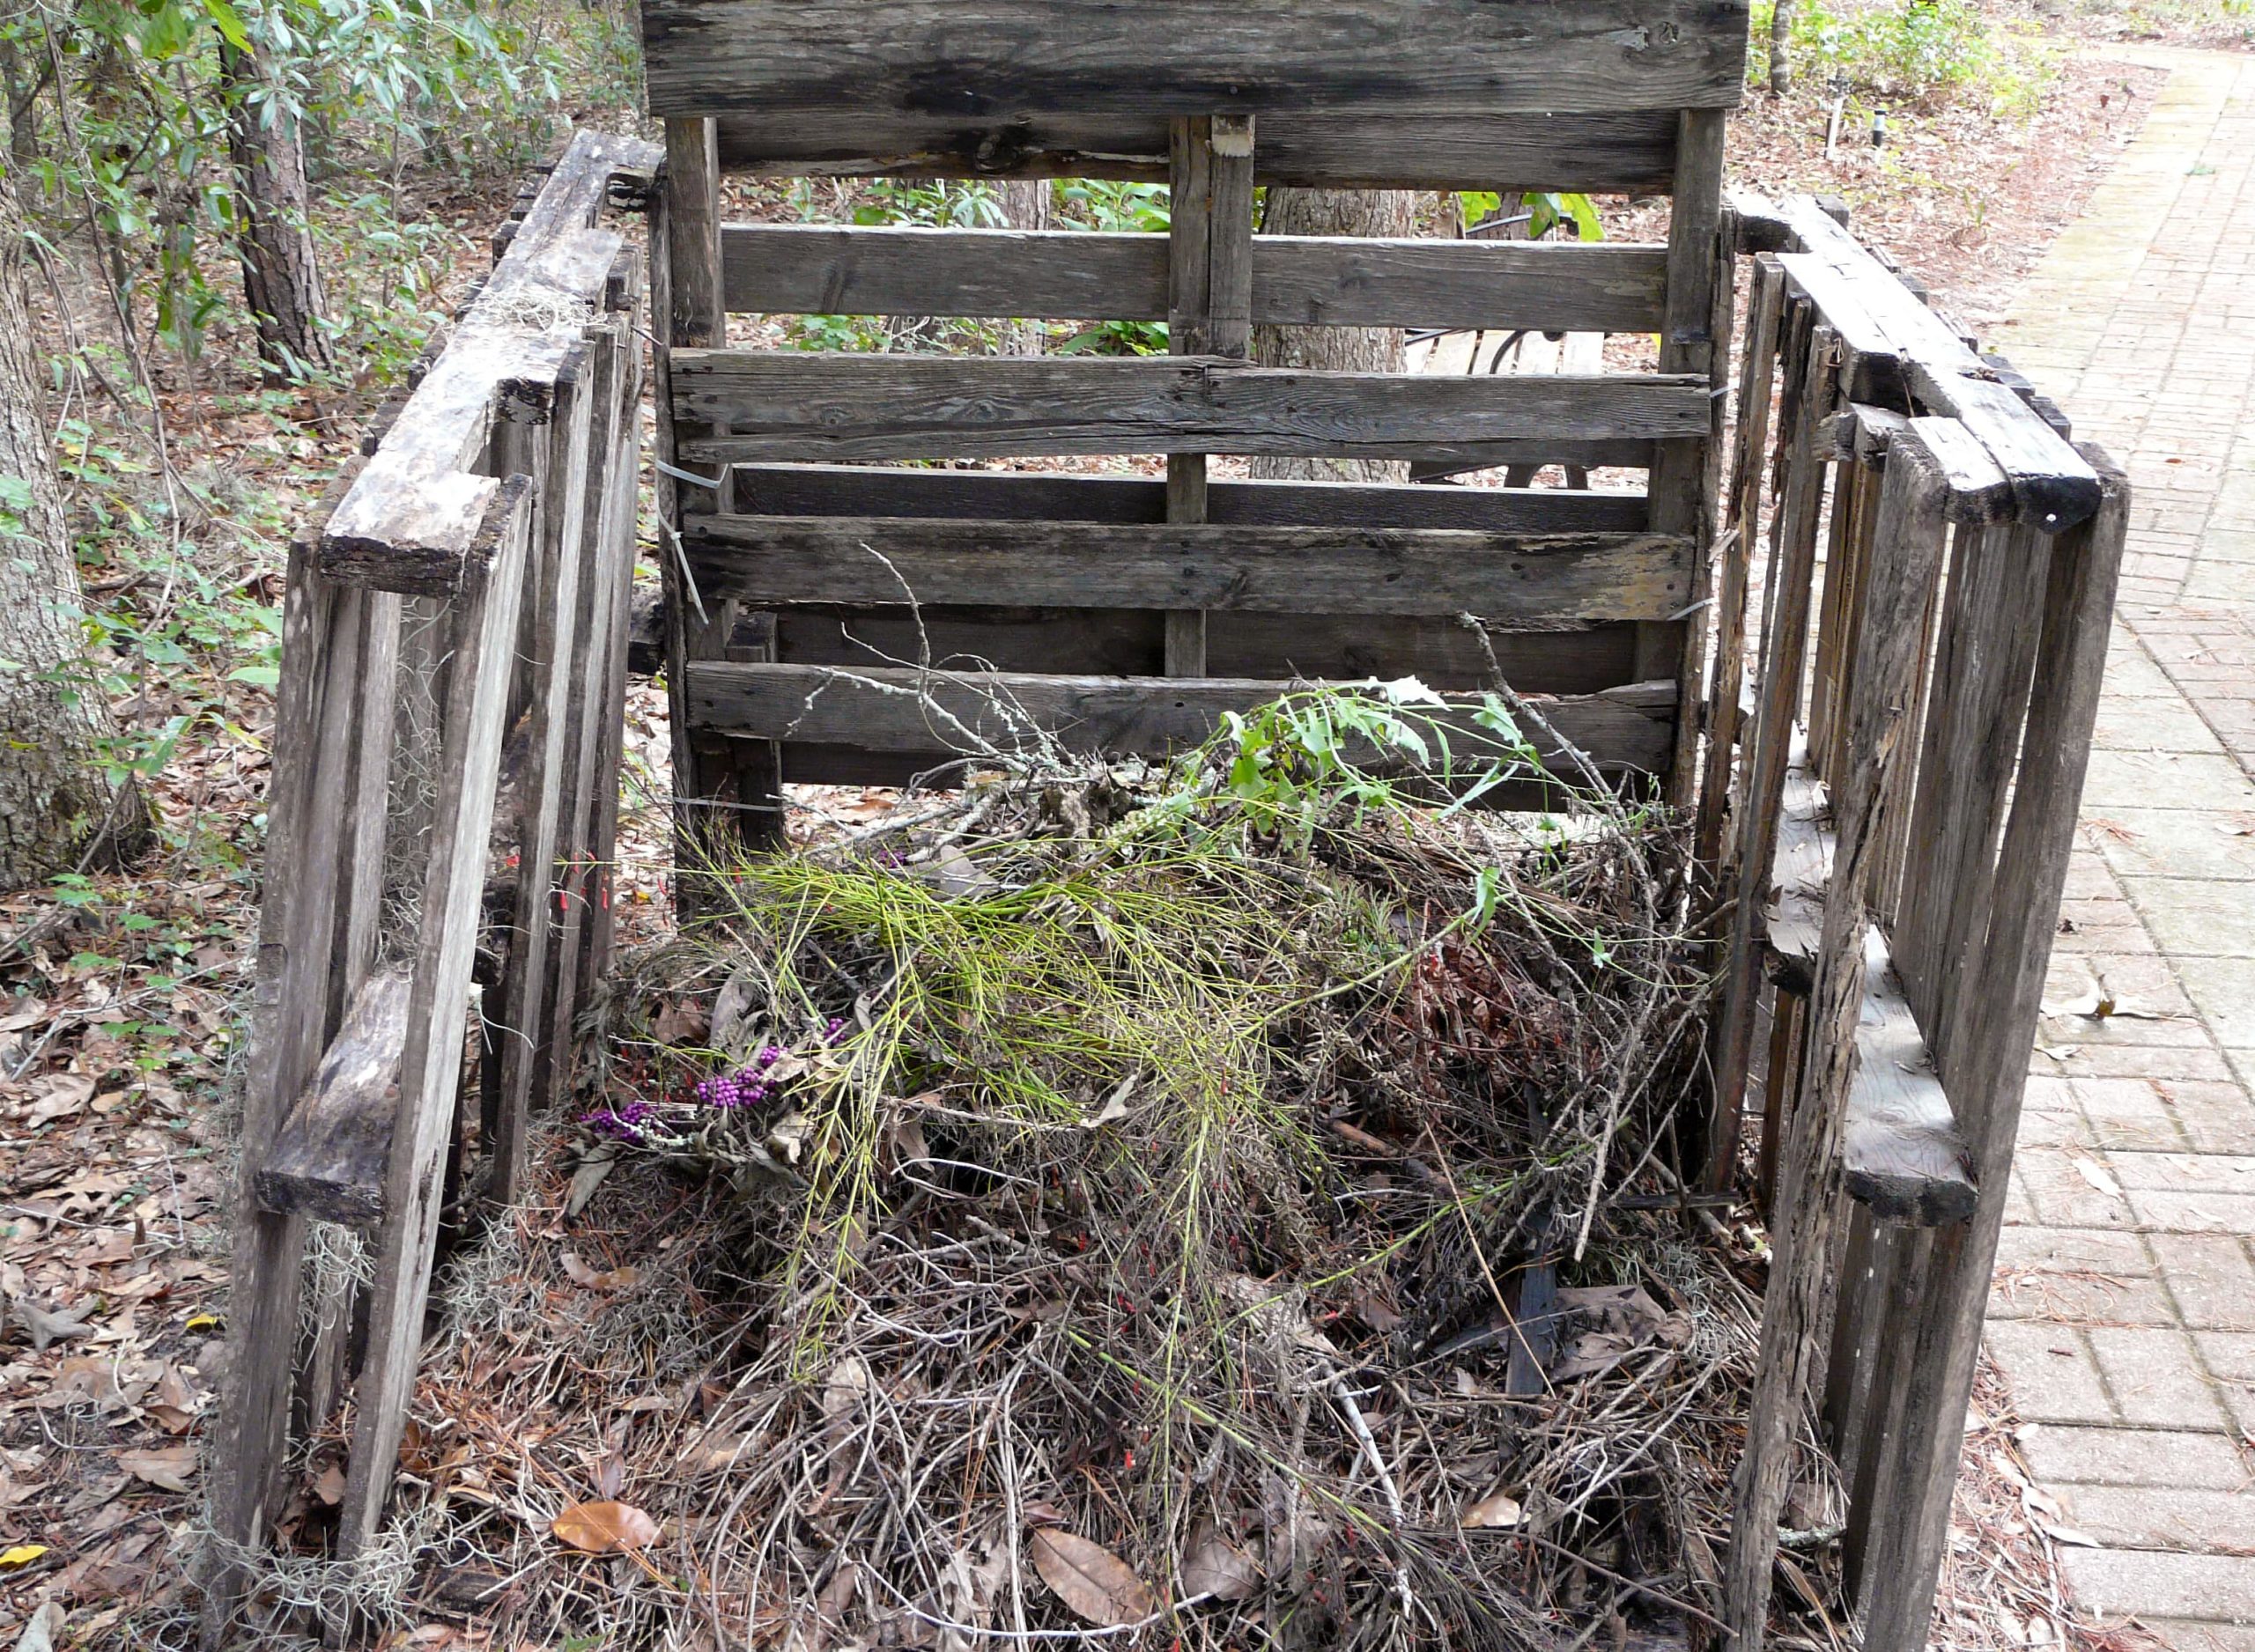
1220,1205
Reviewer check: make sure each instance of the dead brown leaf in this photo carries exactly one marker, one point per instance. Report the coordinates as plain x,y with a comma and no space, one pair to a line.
168,1468
1218,1568
608,1279
604,1528
1101,1587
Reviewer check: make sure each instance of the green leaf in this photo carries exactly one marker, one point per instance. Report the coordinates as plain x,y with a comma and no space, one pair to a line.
229,22
258,676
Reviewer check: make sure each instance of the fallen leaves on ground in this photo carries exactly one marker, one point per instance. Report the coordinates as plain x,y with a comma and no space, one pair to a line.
604,1528
1101,1588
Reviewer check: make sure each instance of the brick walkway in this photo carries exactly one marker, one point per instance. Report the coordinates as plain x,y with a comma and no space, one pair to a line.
2123,1312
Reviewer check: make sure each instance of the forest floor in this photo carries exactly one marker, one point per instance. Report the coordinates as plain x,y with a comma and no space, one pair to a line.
121,995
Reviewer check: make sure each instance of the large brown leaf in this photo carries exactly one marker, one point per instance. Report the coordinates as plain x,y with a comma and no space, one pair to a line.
604,1528
1217,1567
1099,1586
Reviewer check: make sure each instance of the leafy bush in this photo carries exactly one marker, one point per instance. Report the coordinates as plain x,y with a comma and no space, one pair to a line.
1909,51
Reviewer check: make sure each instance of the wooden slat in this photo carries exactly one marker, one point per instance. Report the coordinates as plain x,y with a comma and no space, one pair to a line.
1508,577
1307,281
1905,554
329,1156
468,752
1898,351
1126,643
1901,1152
1050,496
1632,152
790,405
710,57
899,710
416,509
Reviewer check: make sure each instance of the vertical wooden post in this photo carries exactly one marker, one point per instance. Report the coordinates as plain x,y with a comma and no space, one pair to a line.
1749,461
1905,557
1944,1330
318,912
553,453
1685,475
1793,558
1209,306
484,622
725,794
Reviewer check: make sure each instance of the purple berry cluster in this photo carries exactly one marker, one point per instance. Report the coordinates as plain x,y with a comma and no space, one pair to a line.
748,1086
621,1124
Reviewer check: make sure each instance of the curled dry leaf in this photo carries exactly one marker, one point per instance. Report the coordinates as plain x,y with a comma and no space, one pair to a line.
608,1279
1497,1511
604,1528
1101,1587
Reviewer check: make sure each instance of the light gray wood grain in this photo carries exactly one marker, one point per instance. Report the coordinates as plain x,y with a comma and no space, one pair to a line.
790,405
1631,153
899,710
1309,281
712,57
1944,1332
1509,579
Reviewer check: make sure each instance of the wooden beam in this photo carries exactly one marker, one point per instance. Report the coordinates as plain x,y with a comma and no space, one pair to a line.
328,1156
1943,1331
1509,579
1028,496
1303,280
469,752
790,405
1898,352
1905,556
892,709
1631,152
1192,58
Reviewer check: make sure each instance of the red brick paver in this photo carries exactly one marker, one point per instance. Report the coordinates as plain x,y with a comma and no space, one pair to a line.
2124,1307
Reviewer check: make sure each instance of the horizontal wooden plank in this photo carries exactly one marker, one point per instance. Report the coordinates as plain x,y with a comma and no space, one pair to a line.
328,1160
1511,578
1312,281
788,405
1053,497
1599,154
1190,57
1901,1154
892,709
1131,643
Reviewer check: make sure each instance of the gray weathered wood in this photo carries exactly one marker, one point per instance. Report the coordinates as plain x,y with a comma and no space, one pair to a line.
1191,58
1510,578
484,612
1045,497
792,405
418,506
1757,384
1899,352
1632,152
1686,476
1306,281
328,1157
1440,653
1944,1332
1791,567
1905,556
899,710
1901,1151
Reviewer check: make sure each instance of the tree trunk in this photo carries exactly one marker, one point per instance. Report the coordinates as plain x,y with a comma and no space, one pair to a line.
21,85
1781,40
1026,206
53,796
273,237
1334,349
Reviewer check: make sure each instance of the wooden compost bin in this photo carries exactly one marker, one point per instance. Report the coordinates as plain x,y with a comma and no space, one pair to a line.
1852,622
